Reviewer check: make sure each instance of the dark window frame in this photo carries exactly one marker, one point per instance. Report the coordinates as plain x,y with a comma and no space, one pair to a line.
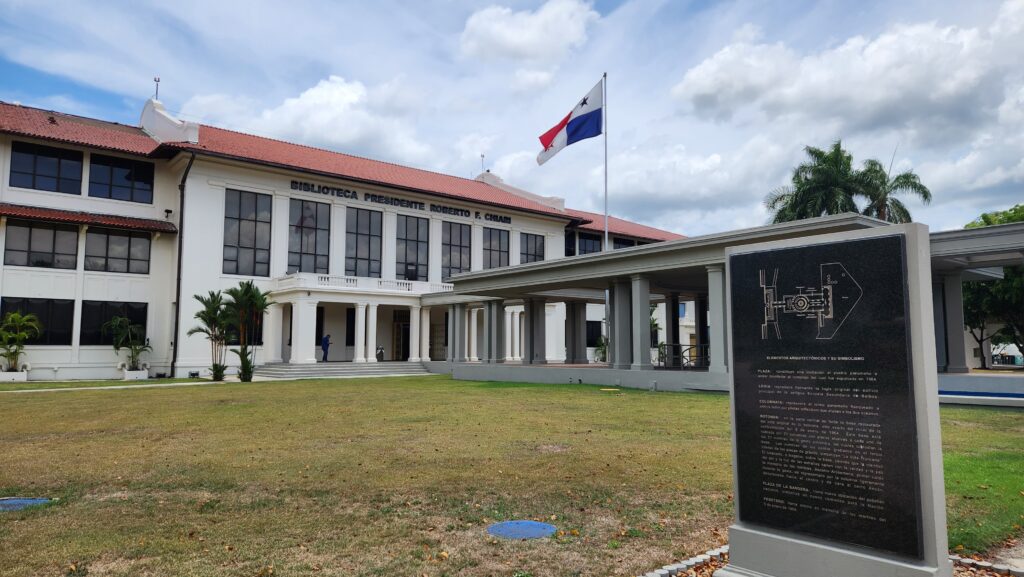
594,333
570,242
618,242
104,181
359,242
65,316
531,247
303,258
66,177
350,327
140,265
409,250
460,249
32,253
237,253
495,256
589,243
102,311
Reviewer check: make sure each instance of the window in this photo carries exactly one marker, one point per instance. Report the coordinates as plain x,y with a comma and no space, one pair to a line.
570,243
120,178
117,251
456,246
54,315
363,243
623,243
350,327
495,248
589,243
413,248
309,236
41,244
593,333
531,247
97,313
46,168
246,233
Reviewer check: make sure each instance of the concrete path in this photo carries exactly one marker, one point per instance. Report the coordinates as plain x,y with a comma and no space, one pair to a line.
114,387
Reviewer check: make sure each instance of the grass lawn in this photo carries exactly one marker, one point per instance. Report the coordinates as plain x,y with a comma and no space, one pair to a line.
400,476
24,386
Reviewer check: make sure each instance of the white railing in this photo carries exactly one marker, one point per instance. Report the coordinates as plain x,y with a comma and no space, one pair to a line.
335,282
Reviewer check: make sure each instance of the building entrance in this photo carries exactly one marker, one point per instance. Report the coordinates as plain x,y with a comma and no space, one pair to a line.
400,336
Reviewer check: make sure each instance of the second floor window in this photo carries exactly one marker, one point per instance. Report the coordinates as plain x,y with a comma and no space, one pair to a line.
570,243
246,233
363,234
456,247
531,247
309,236
413,250
589,243
117,251
120,178
46,168
41,244
495,248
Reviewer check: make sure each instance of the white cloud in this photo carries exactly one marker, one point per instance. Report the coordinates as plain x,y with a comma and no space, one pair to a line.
546,34
335,114
527,79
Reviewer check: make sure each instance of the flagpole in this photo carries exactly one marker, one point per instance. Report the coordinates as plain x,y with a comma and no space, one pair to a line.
604,127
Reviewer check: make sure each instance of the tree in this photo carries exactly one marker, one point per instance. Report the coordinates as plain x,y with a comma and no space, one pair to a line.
130,336
245,308
1005,302
826,184
213,322
976,313
880,189
15,330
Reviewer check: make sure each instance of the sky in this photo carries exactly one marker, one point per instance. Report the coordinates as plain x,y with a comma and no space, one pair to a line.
710,104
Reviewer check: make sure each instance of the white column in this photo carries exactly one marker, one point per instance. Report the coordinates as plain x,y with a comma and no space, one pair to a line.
414,334
339,221
425,334
359,352
514,246
509,334
436,240
476,251
371,333
388,250
953,309
515,336
279,236
716,319
457,336
472,334
272,327
303,331
640,295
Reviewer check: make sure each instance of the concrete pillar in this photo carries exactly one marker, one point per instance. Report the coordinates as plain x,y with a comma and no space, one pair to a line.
359,339
953,307
514,340
476,249
303,331
716,312
609,324
414,334
436,239
425,334
339,221
672,331
273,325
473,335
449,345
458,335
534,332
371,333
640,294
576,333
509,334
388,250
494,332
622,335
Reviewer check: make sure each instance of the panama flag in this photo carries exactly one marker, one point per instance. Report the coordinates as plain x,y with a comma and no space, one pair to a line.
583,122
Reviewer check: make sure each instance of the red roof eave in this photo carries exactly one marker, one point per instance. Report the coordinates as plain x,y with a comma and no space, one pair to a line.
87,218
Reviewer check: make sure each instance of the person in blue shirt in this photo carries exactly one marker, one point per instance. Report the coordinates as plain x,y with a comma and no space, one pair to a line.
325,344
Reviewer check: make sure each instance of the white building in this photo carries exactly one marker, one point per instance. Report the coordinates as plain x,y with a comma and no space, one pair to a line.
99,219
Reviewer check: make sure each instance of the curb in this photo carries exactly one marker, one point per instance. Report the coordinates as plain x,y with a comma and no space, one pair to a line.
680,568
996,568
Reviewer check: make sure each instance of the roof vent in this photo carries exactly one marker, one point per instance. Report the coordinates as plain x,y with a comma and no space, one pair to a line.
52,120
494,180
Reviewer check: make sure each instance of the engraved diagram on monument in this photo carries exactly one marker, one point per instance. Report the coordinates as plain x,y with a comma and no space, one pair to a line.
829,303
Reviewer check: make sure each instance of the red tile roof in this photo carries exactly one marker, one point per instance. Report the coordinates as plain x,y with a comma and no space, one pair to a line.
70,129
90,218
622,227
247,147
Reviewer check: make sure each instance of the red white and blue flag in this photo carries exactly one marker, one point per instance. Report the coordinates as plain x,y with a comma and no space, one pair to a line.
583,122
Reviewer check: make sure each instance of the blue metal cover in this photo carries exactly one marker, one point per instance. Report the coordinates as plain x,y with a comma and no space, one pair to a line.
19,503
521,530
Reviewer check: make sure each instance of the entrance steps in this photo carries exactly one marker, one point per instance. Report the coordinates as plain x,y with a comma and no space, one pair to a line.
338,370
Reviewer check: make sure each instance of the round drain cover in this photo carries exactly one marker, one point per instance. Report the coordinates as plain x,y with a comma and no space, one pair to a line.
19,503
521,530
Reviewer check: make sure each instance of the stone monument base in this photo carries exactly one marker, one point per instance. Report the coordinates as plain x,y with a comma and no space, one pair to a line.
756,553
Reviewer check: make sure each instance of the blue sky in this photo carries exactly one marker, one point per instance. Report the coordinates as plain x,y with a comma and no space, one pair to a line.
710,103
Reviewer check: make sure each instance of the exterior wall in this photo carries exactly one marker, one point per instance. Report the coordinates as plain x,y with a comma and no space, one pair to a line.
156,288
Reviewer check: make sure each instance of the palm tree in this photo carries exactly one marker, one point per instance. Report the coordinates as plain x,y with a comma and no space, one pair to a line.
128,335
881,188
245,309
826,184
15,330
213,322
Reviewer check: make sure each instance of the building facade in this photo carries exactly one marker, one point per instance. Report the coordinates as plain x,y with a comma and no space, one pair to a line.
99,219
